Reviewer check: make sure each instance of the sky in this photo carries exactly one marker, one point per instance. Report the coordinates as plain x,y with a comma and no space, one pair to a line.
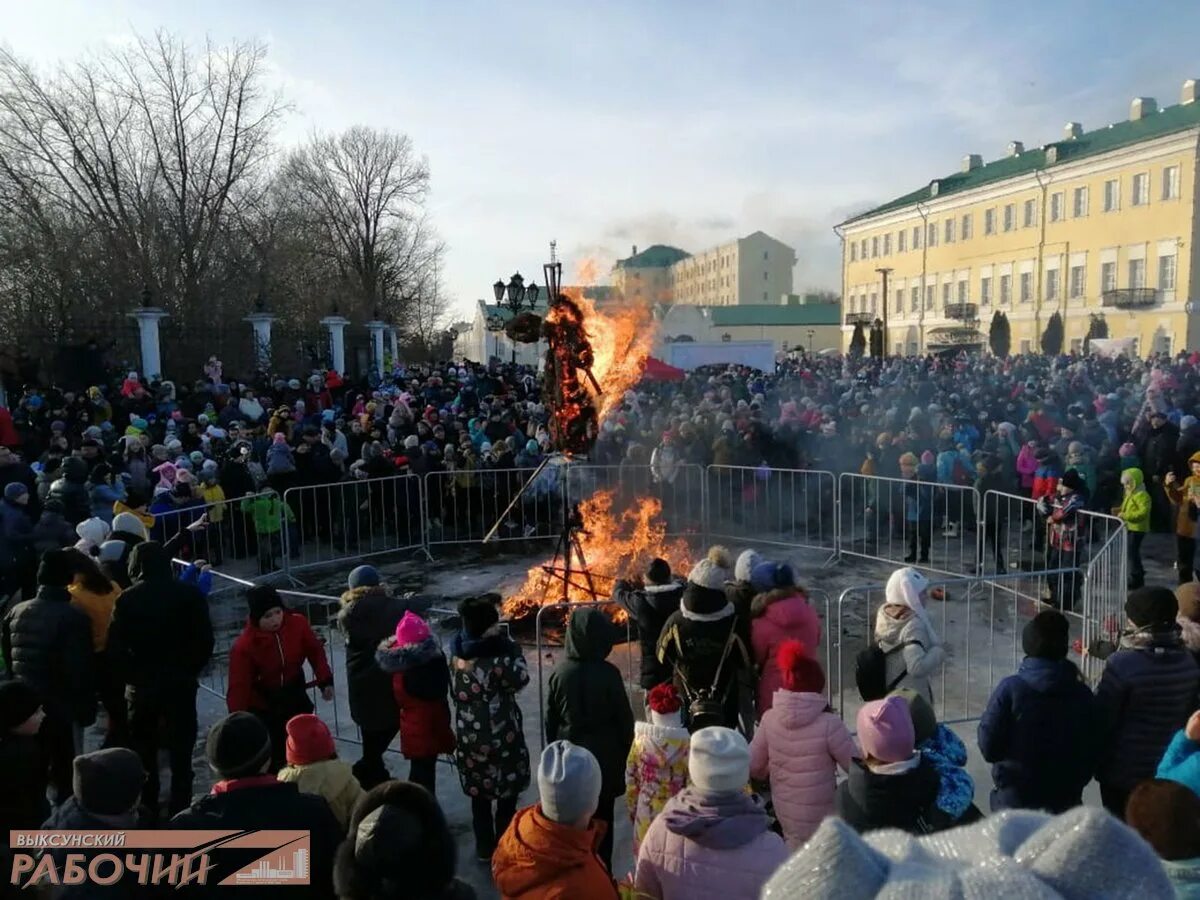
608,125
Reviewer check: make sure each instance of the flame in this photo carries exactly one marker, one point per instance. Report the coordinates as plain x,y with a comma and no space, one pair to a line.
622,337
614,546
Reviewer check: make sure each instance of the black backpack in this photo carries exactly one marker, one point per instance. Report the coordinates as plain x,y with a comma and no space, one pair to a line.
870,671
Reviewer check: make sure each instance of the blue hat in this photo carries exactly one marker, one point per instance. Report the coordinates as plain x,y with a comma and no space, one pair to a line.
767,576
363,576
14,489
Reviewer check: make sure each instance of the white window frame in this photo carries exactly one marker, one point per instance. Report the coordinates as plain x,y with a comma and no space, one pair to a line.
1079,202
875,247
1136,272
1167,265
931,239
1170,182
1053,284
914,298
902,240
1025,287
1010,217
887,244
929,295
1077,290
1029,214
989,221
916,232
1108,275
1112,195
963,292
985,290
948,231
1058,206
1139,193
966,227
1004,295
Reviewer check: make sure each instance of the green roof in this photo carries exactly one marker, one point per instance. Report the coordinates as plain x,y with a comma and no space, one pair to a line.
1168,120
764,314
658,256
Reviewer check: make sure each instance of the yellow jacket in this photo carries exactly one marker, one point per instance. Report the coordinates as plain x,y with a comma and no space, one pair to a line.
214,496
332,779
98,608
144,517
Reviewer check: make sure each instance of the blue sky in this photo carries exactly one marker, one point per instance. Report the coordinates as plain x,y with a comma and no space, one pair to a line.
605,125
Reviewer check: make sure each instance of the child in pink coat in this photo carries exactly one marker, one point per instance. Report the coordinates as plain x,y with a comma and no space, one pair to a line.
799,744
777,615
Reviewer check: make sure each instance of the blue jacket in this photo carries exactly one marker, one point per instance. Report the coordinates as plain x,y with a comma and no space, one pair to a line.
948,754
1145,695
918,497
1040,732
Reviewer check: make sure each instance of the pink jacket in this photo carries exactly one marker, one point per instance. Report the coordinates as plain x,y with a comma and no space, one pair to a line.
682,858
798,745
1027,464
778,616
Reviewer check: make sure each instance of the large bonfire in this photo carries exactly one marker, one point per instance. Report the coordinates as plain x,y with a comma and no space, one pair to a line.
614,542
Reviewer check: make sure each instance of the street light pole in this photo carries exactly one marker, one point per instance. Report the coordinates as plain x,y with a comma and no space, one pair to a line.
885,272
810,337
514,297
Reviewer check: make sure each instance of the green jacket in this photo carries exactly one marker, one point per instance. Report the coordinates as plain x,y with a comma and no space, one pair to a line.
1135,508
267,512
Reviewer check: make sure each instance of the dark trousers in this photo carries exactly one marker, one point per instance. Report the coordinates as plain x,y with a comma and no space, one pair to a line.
423,771
919,533
604,812
994,536
370,769
111,691
1114,799
164,718
57,737
1185,555
1137,573
489,822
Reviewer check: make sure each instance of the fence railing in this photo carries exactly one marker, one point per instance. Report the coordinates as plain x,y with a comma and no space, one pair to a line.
772,507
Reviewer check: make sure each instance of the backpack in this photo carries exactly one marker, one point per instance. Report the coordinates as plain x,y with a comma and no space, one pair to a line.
870,671
705,707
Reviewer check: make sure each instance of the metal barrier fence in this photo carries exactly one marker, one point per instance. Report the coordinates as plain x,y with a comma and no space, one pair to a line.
680,496
351,519
772,507
462,506
226,536
979,624
904,522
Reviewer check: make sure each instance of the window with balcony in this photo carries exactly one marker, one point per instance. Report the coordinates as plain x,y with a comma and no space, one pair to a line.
1026,287
945,293
962,290
1108,276
932,238
1029,214
1005,290
1052,282
887,244
1170,183
985,291
1058,203
1010,216
1166,273
1112,195
1141,189
949,231
874,301
966,228
989,221
901,241
1079,202
914,299
1078,282
1137,273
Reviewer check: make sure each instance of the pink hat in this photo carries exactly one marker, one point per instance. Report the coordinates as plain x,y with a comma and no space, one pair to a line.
928,458
885,730
279,438
1127,449
411,629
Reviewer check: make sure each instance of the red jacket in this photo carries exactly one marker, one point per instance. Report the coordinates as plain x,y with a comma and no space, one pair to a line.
420,684
261,662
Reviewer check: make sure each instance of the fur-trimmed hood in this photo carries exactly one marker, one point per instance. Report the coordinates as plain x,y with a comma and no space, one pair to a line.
393,657
1191,632
760,603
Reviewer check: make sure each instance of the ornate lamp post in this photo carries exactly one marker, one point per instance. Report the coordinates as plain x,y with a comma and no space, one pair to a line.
515,297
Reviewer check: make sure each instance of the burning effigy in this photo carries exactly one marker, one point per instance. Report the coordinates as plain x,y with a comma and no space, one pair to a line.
593,357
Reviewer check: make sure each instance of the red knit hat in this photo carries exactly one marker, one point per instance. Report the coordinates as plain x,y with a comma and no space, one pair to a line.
801,673
308,740
664,699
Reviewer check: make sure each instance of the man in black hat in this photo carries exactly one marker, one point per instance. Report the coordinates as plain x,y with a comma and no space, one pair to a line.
48,645
247,797
650,602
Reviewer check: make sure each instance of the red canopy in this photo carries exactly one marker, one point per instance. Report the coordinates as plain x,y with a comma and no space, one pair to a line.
657,370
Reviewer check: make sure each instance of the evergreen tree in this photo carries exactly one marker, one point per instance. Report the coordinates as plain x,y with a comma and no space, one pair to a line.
858,341
1097,328
1052,337
1000,334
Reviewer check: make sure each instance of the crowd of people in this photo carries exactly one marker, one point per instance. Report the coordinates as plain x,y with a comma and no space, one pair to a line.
727,761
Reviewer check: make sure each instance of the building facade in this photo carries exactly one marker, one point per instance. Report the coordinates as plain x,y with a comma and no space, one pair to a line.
756,269
1099,223
794,326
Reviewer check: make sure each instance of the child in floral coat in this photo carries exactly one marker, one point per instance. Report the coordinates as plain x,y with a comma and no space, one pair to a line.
657,768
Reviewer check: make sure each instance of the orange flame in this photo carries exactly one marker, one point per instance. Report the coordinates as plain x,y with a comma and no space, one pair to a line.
614,546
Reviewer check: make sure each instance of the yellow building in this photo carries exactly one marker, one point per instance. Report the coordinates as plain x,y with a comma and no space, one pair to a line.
1097,223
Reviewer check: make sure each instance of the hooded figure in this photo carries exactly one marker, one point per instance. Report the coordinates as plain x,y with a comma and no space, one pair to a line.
905,633
159,641
780,614
587,705
651,605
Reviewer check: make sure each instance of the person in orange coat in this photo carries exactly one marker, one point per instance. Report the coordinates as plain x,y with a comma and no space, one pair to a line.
548,851
266,666
421,685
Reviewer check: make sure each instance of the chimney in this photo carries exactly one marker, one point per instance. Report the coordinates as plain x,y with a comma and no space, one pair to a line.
1189,91
1015,148
1141,107
634,253
934,187
971,161
1072,131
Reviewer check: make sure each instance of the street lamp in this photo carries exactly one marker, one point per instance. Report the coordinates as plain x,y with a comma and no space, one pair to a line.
811,332
885,272
515,297
495,324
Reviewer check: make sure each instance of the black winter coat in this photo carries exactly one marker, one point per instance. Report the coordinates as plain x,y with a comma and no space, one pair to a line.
48,643
586,703
650,607
691,647
368,616
1041,732
72,492
1148,690
161,636
23,780
261,802
869,801
70,816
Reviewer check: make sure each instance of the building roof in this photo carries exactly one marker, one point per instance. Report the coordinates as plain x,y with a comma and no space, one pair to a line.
769,314
1169,120
658,256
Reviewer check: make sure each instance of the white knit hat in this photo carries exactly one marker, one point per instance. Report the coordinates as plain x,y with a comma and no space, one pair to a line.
713,571
569,782
719,760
